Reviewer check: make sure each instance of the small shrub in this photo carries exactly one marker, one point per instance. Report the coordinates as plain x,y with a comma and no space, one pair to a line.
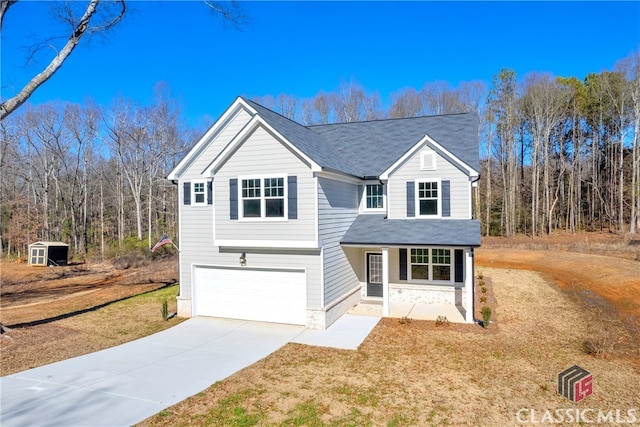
165,310
601,344
483,299
404,320
486,316
480,275
442,321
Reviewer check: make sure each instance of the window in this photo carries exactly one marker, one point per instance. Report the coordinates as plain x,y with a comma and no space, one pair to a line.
263,197
428,199
374,196
431,264
199,195
274,197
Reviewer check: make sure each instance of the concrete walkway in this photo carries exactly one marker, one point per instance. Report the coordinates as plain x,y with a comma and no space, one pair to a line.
416,311
126,384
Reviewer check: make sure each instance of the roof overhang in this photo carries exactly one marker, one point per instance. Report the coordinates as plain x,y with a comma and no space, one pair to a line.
238,105
427,141
241,137
376,230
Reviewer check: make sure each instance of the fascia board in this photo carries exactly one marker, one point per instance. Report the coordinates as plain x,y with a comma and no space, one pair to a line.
430,142
208,136
243,134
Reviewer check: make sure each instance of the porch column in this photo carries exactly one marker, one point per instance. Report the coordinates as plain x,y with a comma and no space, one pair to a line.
385,281
468,285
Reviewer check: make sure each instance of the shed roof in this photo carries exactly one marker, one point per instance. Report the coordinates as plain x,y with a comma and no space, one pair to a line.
377,230
44,243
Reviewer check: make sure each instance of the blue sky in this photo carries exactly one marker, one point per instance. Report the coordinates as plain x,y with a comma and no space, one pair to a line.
301,48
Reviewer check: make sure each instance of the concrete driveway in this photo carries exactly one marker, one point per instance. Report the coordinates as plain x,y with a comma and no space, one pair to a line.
128,383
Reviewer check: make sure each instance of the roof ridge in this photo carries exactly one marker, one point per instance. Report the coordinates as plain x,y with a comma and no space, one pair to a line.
270,110
393,118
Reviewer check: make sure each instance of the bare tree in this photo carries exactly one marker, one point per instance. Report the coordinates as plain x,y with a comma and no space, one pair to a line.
543,107
630,68
84,19
79,26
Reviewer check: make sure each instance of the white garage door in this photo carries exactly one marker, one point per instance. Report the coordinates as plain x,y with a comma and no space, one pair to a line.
268,295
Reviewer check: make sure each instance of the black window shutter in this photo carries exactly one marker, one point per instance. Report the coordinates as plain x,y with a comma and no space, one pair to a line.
292,183
403,264
459,266
446,198
233,198
186,193
411,198
209,192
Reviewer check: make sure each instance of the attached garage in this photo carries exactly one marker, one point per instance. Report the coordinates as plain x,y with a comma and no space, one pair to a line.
261,294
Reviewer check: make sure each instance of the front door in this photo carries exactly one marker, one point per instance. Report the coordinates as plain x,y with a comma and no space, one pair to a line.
374,275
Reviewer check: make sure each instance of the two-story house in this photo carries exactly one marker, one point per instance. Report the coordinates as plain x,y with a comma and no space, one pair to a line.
287,223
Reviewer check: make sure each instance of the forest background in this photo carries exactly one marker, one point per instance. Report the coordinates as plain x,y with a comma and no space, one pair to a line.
557,153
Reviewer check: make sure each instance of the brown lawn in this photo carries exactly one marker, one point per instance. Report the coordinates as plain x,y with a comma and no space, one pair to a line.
556,303
58,313
418,374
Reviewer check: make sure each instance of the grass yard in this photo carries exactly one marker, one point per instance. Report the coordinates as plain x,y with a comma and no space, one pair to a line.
417,374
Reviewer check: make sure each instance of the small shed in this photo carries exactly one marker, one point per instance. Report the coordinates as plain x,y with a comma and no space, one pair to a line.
48,253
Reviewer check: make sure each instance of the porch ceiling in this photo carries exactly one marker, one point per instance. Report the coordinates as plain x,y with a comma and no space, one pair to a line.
379,231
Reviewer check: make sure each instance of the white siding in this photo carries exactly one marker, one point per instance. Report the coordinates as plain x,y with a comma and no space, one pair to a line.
460,186
262,155
337,209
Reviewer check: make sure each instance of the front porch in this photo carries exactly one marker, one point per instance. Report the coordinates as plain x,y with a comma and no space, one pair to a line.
414,311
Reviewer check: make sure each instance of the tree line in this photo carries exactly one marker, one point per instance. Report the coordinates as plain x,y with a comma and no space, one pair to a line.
557,153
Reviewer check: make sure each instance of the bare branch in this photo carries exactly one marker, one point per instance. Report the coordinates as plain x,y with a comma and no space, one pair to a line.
79,30
230,12
4,6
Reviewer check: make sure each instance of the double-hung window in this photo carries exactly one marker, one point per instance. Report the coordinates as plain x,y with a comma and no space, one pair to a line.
274,197
263,197
428,197
431,264
251,198
374,196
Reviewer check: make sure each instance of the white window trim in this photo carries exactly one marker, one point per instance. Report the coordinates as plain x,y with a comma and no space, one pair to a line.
363,202
417,198
193,193
452,275
263,217
424,156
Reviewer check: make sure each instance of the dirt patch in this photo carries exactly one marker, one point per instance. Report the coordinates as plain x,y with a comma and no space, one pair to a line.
54,313
33,295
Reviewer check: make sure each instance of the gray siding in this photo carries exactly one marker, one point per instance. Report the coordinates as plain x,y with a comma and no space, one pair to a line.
226,134
196,241
262,155
337,209
196,222
460,186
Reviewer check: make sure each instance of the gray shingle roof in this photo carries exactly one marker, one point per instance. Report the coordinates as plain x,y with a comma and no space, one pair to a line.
376,145
376,230
310,143
369,148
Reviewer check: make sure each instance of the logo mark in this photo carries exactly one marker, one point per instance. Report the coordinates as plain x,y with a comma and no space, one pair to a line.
575,383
